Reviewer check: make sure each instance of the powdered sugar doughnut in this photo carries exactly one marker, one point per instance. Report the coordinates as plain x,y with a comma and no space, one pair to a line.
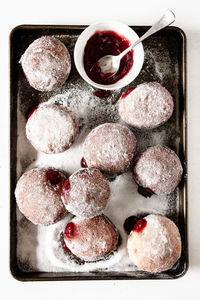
46,63
147,106
110,148
86,193
154,245
51,129
91,239
158,169
38,195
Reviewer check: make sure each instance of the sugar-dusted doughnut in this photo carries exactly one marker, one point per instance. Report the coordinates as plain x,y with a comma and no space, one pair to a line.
158,169
51,129
147,106
38,195
91,239
154,244
46,63
86,193
110,148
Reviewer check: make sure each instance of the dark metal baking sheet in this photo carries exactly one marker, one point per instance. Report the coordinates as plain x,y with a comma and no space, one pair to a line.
175,40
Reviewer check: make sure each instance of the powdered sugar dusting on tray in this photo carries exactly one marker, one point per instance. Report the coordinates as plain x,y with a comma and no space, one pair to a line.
38,247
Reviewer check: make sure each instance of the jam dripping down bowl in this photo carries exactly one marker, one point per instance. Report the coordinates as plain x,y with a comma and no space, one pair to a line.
121,30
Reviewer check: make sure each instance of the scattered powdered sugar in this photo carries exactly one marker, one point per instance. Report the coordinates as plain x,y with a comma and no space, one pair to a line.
38,247
86,108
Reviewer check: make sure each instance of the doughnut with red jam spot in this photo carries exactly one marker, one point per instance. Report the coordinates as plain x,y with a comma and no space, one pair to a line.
38,196
92,239
154,245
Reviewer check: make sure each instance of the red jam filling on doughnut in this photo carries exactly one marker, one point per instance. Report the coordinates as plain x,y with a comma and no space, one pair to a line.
32,112
146,192
66,249
140,225
129,223
53,176
103,43
65,187
102,94
127,93
83,163
70,230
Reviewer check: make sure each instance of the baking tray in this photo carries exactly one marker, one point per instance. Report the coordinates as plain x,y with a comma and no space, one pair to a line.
174,41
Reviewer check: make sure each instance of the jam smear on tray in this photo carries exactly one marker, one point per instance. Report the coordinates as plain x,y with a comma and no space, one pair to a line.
70,230
146,192
65,248
32,112
104,43
102,94
65,187
129,223
126,93
83,163
53,176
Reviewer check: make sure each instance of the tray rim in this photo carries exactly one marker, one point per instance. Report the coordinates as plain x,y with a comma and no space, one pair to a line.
23,277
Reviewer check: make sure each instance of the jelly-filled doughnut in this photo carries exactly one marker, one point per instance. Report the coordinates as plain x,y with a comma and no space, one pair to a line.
46,63
51,129
110,148
86,193
147,106
158,169
38,195
154,244
91,239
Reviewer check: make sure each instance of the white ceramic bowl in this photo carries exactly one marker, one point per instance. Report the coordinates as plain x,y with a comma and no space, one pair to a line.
121,29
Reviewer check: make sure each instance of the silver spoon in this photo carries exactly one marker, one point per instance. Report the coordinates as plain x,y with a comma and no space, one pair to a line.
109,64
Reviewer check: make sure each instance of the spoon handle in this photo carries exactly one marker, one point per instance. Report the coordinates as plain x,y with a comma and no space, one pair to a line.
167,19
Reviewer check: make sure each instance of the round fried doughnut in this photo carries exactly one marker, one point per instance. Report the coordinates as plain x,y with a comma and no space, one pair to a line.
147,106
154,244
86,193
110,148
91,239
38,195
51,129
158,169
46,63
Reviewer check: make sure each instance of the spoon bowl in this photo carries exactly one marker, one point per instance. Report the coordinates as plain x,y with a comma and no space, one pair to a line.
122,30
108,65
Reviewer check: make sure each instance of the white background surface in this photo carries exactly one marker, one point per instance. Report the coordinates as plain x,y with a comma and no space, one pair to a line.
132,12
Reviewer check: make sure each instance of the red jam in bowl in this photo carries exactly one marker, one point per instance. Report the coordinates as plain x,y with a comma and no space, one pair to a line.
104,43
